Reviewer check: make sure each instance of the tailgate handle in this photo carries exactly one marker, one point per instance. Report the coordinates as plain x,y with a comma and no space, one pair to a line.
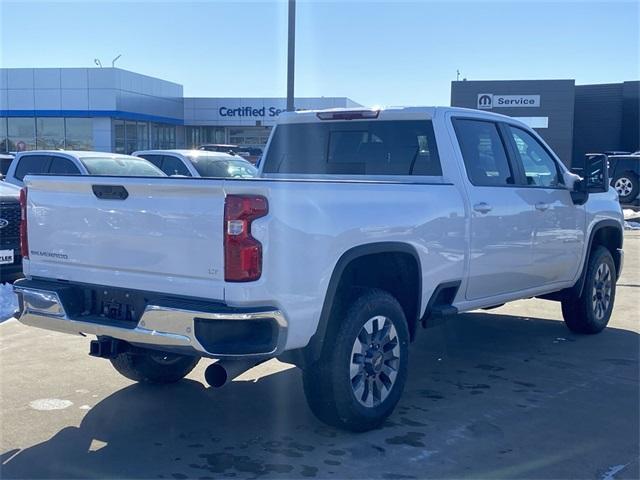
110,192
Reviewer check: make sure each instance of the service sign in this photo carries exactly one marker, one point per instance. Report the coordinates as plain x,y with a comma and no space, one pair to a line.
487,101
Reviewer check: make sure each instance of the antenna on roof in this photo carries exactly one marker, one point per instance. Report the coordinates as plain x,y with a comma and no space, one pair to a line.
113,62
97,62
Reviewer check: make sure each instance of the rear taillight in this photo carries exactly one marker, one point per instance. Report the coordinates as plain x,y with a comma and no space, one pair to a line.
242,252
24,241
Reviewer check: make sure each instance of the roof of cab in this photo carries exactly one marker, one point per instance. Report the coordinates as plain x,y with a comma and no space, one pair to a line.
187,152
73,153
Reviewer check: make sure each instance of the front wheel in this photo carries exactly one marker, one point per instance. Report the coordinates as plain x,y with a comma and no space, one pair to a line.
361,373
151,366
591,311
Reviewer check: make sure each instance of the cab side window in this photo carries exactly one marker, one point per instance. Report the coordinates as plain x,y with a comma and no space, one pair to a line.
539,168
31,164
483,152
155,159
63,166
174,166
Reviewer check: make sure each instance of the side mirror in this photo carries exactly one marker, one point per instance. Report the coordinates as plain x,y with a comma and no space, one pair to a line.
596,172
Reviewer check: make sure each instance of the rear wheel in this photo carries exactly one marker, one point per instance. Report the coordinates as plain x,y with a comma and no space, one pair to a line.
591,311
361,373
154,366
626,184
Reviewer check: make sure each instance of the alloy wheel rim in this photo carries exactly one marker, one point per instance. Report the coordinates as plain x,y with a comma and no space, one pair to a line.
375,360
623,186
601,292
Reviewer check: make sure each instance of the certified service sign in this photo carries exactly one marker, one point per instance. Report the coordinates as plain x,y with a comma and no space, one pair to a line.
487,101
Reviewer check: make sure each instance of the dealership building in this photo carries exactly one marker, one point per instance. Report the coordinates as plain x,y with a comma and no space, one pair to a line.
572,119
110,109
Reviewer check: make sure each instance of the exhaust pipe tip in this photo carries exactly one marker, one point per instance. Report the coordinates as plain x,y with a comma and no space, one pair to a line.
216,375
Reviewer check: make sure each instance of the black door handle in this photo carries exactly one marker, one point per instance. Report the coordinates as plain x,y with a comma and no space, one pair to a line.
110,192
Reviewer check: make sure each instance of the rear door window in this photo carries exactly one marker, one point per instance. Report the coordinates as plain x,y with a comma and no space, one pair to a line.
63,166
483,152
354,148
32,164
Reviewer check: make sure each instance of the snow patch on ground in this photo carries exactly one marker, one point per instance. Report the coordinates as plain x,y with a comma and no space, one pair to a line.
50,404
8,302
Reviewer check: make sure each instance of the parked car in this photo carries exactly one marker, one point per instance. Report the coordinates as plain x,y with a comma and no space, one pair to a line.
363,225
625,176
198,163
5,161
244,152
254,154
73,162
10,258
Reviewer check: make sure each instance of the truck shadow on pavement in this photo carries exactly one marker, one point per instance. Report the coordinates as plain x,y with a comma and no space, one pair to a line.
488,396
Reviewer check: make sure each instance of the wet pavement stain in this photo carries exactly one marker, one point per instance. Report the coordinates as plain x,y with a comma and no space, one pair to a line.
411,439
287,452
396,476
412,423
432,394
484,429
337,453
302,447
524,384
489,368
333,462
308,471
220,462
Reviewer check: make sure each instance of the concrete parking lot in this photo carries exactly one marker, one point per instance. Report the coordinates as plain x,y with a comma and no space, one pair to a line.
508,393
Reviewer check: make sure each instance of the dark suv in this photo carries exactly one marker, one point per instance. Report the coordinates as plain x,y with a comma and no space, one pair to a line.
10,259
624,171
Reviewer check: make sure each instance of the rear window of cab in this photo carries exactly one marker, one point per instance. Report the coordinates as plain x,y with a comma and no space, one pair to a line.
383,148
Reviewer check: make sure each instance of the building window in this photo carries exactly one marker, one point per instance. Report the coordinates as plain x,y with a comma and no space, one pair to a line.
79,133
196,136
130,136
4,143
50,133
162,136
118,135
21,133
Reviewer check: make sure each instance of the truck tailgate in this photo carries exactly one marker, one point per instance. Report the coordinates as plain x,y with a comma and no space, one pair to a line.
165,236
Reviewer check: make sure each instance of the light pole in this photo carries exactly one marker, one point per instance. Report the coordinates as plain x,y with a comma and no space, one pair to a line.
291,55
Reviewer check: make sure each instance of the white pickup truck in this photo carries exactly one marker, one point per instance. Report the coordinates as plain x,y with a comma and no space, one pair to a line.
362,226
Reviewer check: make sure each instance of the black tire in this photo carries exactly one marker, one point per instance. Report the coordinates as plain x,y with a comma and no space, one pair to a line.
584,313
627,186
154,366
328,382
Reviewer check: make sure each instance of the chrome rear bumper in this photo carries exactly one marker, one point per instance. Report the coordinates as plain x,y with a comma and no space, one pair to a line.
160,326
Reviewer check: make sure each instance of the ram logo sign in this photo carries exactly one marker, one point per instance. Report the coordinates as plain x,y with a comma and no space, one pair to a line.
487,101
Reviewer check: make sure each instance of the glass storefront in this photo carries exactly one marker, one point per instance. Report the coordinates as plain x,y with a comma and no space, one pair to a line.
50,133
28,133
129,136
196,136
4,143
79,134
21,133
